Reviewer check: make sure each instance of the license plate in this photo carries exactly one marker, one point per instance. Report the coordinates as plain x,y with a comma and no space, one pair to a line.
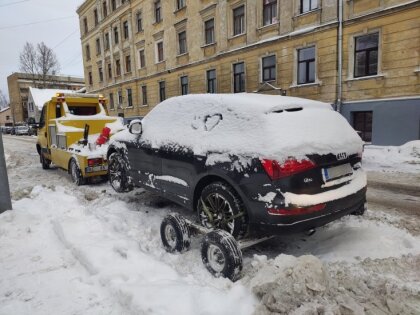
99,168
337,171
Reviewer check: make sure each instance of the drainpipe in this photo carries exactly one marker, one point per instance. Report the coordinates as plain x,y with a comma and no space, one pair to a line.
340,56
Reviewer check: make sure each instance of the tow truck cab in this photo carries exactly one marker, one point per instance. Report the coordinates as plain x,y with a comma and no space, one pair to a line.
68,129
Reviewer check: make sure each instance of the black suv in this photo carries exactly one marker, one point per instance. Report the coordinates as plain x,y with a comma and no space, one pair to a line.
246,163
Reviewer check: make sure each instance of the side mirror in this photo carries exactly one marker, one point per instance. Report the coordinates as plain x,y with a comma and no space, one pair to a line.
136,128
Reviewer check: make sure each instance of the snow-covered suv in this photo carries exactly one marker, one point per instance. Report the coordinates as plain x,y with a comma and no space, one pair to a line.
246,163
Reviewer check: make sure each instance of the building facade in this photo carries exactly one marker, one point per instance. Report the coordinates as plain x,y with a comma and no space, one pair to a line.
19,84
6,117
363,56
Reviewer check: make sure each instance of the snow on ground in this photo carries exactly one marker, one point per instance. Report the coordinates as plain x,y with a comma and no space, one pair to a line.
405,158
88,250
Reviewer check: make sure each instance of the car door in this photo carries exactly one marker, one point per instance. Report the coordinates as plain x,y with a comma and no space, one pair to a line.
145,163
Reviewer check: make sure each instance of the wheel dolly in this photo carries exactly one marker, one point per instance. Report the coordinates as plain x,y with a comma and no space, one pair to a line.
221,253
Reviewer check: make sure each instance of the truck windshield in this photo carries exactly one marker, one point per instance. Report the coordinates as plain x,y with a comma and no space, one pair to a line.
83,110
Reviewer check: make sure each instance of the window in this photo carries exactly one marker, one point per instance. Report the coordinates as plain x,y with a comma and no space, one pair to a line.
113,5
106,41
269,12
159,48
101,74
239,77
109,71
139,20
158,11
142,59
306,65
95,14
362,122
184,85
366,55
118,67
125,27
128,64
85,25
182,42
130,97
98,46
239,20
90,78
111,101
87,49
268,68
211,81
144,94
162,91
120,98
116,37
180,4
308,5
104,9
209,31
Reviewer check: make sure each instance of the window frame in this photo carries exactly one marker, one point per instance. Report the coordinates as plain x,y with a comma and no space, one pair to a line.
139,21
262,78
162,91
242,78
311,7
98,46
365,130
368,52
180,4
184,85
101,74
158,60
269,5
96,16
157,11
211,82
211,30
117,67
128,65
307,66
116,35
104,9
142,58
242,20
182,43
144,95
129,92
126,30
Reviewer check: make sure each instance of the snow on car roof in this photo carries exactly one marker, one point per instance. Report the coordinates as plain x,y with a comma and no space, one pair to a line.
250,125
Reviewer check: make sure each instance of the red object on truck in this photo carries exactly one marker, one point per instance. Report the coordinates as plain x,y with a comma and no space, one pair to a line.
104,136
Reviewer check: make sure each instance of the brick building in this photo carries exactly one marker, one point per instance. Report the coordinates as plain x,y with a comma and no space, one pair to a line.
363,56
5,117
19,83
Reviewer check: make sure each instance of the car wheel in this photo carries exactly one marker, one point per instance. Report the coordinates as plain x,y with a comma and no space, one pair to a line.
76,174
221,255
118,173
45,162
219,207
175,233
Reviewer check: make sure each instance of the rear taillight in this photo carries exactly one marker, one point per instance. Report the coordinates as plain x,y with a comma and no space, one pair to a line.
296,211
291,166
94,162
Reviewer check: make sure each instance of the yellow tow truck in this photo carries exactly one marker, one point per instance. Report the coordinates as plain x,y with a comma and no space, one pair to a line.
73,133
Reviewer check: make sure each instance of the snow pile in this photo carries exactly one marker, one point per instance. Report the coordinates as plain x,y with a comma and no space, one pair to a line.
41,96
249,125
405,158
305,285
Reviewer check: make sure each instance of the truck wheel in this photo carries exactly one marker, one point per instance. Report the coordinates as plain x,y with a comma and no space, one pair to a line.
118,173
45,162
76,174
220,207
221,255
175,233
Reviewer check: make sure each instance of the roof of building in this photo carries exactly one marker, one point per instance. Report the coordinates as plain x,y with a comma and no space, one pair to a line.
41,96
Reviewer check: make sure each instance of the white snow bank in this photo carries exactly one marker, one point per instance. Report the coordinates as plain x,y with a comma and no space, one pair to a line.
251,125
41,96
405,158
97,241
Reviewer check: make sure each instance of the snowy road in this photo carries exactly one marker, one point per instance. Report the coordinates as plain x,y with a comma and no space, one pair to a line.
88,250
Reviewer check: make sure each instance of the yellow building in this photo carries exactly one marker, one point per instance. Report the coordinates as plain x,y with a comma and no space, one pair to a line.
360,55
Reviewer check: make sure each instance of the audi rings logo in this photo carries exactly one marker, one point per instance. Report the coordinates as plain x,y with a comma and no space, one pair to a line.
341,156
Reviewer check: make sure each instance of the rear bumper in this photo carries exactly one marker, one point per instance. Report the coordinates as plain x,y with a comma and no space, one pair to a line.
266,224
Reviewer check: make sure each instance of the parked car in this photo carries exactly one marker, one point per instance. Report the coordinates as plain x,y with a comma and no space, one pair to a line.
21,130
248,164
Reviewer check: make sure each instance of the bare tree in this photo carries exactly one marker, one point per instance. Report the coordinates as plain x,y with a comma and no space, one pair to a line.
3,100
47,62
28,59
40,61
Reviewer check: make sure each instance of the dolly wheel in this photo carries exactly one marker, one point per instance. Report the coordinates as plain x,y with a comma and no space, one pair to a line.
175,233
221,255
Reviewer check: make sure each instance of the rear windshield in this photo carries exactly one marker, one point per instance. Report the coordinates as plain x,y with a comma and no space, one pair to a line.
83,110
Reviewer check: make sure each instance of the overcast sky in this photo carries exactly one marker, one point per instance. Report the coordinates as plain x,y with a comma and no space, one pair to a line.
62,33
